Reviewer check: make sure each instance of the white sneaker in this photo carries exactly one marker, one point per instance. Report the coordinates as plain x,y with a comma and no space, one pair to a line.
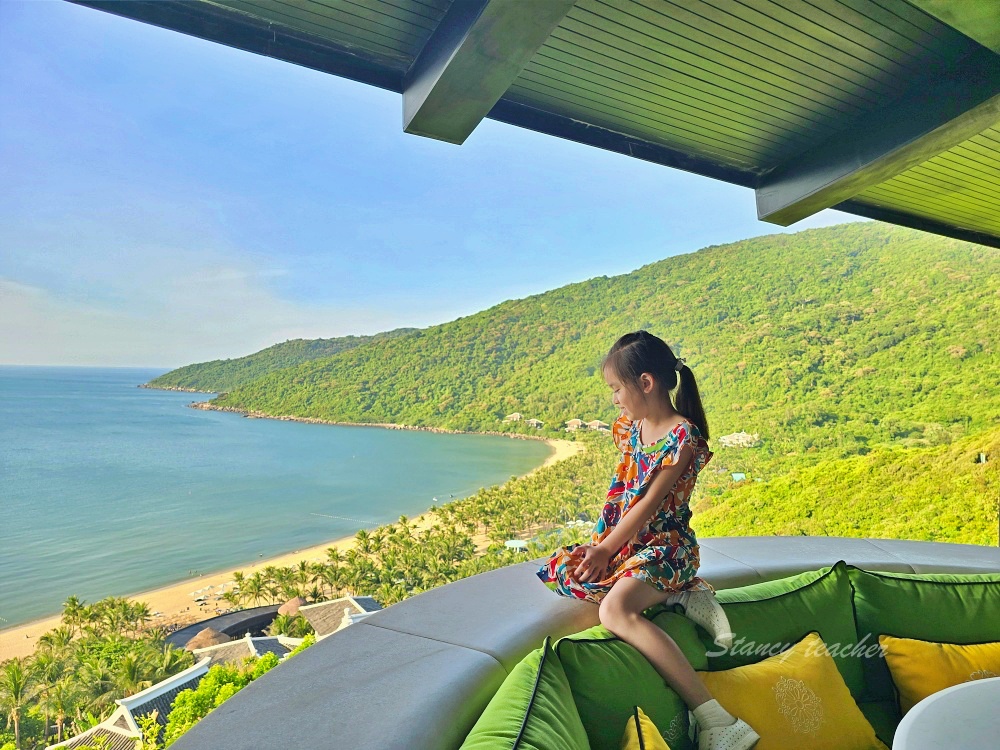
737,736
702,608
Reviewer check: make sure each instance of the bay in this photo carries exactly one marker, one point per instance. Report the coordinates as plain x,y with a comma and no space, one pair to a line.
110,489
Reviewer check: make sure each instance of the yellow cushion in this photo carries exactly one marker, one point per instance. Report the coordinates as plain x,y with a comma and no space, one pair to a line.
795,699
920,668
641,733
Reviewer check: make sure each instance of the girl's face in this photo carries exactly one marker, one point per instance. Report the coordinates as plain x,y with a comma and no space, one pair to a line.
629,400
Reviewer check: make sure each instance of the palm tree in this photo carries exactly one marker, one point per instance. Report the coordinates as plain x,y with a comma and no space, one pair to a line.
302,573
49,667
314,594
233,597
140,615
280,625
316,573
132,674
332,576
99,684
293,626
72,612
172,661
61,699
275,579
364,542
121,616
387,594
57,640
291,589
17,689
254,588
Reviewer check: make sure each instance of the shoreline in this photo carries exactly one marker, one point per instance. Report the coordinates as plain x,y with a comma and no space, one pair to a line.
177,606
179,388
250,414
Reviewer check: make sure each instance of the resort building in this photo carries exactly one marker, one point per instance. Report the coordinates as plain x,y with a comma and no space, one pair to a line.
206,638
224,627
329,617
234,652
535,423
739,440
292,606
574,424
120,730
515,417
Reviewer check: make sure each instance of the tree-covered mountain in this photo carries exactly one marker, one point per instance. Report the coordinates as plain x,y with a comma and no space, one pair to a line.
865,356
222,375
827,341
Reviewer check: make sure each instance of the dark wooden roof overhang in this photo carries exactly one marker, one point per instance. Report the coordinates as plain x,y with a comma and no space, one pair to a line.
882,108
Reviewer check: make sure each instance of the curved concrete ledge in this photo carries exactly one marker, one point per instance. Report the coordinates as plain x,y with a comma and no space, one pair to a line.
418,674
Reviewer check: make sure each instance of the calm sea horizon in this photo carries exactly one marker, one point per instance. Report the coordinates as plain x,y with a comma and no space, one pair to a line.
108,489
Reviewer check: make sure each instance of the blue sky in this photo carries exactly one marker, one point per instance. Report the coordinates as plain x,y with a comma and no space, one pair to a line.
168,200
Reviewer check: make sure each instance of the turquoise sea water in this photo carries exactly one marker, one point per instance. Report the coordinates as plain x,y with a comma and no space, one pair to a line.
109,489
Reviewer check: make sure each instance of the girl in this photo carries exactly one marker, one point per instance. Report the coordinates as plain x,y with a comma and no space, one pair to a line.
642,551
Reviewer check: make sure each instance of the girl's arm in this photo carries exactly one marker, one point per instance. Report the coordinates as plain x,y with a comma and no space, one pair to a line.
594,559
646,506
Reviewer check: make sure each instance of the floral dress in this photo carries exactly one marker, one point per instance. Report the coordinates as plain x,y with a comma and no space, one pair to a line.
664,552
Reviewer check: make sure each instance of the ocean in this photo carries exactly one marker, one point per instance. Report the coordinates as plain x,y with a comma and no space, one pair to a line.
107,489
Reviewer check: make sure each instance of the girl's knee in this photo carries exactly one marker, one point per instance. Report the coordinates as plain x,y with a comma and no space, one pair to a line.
615,617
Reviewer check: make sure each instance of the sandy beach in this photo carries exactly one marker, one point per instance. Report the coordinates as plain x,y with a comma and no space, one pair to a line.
176,605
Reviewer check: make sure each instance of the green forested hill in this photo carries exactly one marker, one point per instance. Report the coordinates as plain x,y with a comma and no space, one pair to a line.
825,342
934,493
221,375
867,358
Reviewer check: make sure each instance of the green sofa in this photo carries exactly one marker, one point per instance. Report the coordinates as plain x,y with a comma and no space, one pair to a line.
578,691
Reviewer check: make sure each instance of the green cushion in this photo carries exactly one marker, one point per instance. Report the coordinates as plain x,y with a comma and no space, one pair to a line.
532,710
767,618
884,717
940,607
609,678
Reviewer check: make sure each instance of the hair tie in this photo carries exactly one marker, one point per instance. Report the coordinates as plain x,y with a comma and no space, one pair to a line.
679,365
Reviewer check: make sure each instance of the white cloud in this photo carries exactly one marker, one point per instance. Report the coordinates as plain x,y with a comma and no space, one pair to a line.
212,312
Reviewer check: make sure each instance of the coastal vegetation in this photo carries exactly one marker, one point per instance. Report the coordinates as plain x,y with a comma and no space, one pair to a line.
101,652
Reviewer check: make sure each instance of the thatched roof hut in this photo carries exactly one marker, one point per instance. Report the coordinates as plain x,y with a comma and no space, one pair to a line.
207,637
291,607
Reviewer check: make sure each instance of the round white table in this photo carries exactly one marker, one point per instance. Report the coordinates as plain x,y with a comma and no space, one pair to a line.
962,717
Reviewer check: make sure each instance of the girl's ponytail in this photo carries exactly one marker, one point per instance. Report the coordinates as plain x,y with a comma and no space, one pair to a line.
689,400
639,352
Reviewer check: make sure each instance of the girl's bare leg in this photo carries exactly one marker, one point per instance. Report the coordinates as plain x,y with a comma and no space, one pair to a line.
621,612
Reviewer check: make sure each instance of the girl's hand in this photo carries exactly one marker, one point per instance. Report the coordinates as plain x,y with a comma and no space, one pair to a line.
593,563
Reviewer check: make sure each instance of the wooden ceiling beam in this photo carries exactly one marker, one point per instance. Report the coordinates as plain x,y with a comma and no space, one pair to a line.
471,60
933,116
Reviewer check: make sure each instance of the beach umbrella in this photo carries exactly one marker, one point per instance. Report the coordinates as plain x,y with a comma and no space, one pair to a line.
207,637
291,607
